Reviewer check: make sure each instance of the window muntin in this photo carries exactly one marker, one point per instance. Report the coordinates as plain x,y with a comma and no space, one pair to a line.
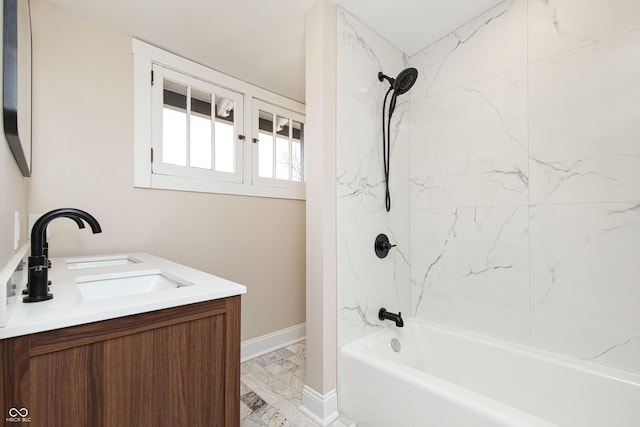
195,136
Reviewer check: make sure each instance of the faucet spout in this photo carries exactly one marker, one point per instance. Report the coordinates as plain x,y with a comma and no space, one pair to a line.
38,266
38,233
45,245
383,314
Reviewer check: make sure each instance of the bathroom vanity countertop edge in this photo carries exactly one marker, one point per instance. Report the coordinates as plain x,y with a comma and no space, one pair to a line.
68,308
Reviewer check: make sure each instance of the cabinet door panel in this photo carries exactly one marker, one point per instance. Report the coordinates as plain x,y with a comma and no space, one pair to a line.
66,387
129,380
165,372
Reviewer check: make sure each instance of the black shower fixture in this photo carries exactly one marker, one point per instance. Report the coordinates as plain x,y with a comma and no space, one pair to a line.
399,85
382,245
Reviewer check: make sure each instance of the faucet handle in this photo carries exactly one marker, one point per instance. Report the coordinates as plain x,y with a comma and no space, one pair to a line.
382,245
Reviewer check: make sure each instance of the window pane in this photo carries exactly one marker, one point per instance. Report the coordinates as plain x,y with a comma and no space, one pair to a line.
200,131
283,156
297,153
174,123
224,147
296,171
265,145
224,138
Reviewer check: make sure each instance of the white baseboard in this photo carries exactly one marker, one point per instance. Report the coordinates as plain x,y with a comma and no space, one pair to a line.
267,343
322,409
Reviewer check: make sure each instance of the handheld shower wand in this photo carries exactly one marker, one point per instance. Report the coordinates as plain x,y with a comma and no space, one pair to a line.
399,85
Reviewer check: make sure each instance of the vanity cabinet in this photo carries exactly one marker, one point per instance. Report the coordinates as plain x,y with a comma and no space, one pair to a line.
174,367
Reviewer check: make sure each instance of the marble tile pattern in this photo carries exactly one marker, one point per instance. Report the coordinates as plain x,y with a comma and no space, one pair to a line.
361,54
471,269
271,390
365,282
524,178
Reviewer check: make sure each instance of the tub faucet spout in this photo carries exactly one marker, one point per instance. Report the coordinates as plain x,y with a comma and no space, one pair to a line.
383,314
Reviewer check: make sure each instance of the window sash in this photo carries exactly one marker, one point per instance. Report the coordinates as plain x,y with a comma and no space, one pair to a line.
276,112
158,165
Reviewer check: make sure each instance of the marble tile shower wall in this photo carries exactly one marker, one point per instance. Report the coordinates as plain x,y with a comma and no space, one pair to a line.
366,283
524,184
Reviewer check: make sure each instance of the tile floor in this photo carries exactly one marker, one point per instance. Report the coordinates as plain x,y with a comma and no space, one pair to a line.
271,390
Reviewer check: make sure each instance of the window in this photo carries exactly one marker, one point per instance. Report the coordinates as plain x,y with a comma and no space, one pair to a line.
279,155
195,128
200,130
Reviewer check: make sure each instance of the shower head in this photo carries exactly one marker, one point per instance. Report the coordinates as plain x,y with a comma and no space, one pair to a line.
403,82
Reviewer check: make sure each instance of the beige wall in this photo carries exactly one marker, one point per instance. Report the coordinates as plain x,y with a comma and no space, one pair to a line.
83,157
320,45
13,195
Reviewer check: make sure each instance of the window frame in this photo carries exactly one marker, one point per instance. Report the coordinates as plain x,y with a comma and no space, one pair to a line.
144,57
257,106
161,168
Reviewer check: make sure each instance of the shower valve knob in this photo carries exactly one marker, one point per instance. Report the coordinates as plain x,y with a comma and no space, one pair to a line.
382,245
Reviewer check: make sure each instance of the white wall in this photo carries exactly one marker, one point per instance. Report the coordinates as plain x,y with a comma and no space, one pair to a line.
83,157
525,178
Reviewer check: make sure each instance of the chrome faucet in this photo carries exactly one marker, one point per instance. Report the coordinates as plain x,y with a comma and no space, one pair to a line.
38,281
383,314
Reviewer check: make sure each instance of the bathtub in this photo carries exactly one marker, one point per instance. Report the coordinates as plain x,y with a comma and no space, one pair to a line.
445,377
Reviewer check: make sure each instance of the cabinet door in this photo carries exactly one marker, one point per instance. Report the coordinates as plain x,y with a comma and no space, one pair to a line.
173,367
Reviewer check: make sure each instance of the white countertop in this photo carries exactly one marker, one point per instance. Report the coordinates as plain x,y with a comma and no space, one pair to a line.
68,308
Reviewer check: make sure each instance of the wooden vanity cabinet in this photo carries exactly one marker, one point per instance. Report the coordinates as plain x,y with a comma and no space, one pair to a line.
174,367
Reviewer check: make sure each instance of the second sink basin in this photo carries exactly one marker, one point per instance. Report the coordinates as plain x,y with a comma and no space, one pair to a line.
100,261
123,284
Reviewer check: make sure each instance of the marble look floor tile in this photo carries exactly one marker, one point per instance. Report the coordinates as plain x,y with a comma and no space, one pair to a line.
271,390
292,380
294,415
266,392
244,389
245,411
299,359
254,402
252,421
281,366
273,418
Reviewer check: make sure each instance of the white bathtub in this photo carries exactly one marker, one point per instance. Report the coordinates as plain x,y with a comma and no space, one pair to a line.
444,377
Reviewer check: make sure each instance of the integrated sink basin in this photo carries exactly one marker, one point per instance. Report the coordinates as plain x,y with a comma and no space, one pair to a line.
92,292
100,261
105,286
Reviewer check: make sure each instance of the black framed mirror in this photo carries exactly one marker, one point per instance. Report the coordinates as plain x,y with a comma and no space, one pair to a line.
16,80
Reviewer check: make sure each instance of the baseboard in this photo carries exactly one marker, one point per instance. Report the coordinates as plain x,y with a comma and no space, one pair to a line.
322,409
267,343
